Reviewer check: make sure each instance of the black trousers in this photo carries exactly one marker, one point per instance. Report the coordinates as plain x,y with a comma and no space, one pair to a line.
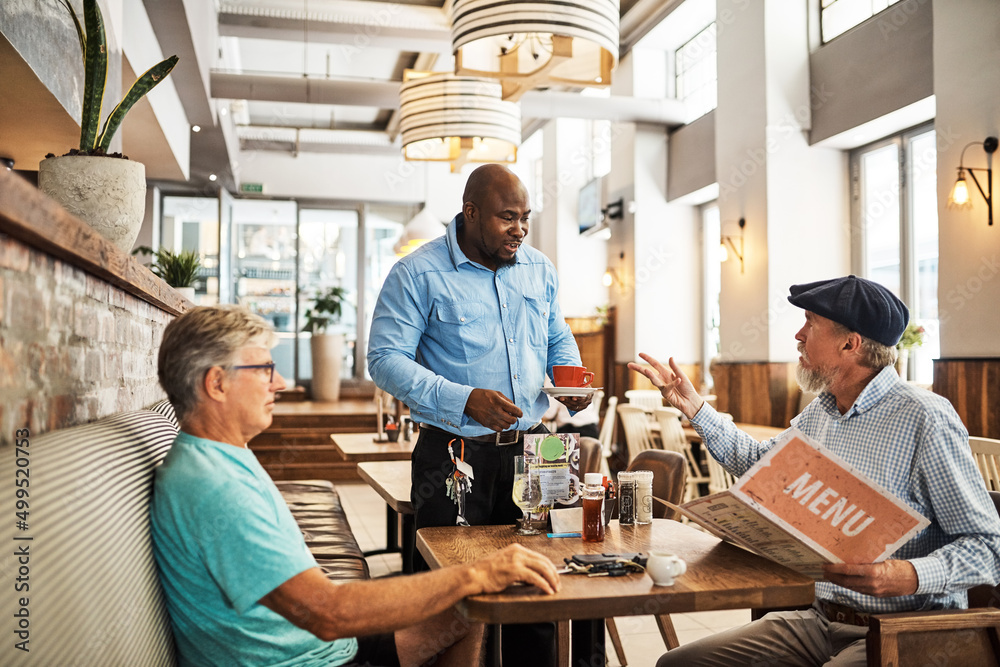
489,503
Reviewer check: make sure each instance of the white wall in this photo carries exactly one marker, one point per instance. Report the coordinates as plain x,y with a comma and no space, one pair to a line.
966,67
793,197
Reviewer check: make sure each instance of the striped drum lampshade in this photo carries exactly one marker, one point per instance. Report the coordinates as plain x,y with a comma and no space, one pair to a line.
457,119
535,44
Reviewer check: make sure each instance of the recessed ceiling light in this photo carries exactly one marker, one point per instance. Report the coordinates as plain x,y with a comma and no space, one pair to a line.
212,177
196,128
223,111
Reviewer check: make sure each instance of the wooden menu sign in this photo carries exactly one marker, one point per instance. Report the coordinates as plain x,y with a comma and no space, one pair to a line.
801,505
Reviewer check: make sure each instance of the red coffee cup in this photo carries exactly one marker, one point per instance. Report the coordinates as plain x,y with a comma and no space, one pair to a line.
571,376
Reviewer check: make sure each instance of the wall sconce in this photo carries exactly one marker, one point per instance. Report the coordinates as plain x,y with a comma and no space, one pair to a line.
959,197
611,276
724,253
615,210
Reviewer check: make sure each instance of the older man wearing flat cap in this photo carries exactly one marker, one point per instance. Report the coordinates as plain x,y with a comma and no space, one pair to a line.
907,439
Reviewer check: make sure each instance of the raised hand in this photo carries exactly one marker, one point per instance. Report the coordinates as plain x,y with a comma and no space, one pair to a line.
673,384
492,409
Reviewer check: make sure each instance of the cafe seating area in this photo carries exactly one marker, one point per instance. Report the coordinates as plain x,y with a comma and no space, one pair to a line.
723,151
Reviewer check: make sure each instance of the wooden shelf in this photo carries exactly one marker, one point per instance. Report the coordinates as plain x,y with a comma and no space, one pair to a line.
28,215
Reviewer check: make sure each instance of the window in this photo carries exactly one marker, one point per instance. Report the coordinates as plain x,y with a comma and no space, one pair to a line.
839,16
695,73
894,192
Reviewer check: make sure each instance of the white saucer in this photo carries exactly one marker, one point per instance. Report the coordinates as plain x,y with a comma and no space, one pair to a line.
570,391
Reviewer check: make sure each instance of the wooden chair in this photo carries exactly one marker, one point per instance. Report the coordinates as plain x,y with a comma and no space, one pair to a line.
673,439
719,479
607,434
952,636
591,460
635,423
650,399
669,473
986,451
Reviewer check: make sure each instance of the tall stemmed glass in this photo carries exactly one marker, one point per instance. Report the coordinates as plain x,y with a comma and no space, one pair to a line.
527,493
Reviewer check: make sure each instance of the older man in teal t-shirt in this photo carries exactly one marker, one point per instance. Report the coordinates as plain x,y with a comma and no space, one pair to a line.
241,586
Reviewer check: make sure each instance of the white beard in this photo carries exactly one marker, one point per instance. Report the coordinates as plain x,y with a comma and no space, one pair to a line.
812,381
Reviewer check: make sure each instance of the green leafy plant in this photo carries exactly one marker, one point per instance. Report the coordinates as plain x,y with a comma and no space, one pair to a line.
94,45
325,310
913,336
176,269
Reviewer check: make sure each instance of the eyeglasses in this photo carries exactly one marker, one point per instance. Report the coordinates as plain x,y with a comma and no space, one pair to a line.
269,367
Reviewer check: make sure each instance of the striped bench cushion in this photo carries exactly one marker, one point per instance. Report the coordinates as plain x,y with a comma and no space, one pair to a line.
93,593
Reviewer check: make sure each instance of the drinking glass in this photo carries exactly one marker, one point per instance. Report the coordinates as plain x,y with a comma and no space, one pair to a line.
527,493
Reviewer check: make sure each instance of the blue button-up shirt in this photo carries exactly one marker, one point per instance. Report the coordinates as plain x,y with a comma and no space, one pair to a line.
913,443
445,325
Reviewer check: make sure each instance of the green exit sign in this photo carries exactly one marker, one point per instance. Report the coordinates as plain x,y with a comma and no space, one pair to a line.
252,188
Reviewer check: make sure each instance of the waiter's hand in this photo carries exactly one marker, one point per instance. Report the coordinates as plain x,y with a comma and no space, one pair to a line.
575,403
492,409
887,579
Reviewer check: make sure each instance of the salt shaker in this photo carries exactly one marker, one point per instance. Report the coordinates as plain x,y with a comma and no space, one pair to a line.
626,499
643,496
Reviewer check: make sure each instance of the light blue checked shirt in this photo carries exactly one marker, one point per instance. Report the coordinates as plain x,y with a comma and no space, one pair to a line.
913,443
445,325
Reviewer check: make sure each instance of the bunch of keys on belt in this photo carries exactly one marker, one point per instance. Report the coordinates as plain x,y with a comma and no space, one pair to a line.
459,482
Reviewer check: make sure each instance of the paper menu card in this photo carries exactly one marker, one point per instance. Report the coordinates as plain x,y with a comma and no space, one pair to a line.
801,505
558,465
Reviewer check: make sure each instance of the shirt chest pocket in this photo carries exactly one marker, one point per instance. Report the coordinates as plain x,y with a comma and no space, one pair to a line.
536,321
464,326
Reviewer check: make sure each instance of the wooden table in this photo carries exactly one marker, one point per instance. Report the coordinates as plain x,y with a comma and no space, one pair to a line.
363,447
758,432
719,576
391,480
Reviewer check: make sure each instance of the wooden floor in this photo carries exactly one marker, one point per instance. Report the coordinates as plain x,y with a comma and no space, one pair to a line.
297,444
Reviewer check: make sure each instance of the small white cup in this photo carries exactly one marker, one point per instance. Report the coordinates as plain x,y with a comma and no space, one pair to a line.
663,567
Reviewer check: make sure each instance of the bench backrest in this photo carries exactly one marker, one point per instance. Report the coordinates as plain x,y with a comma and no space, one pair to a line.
89,580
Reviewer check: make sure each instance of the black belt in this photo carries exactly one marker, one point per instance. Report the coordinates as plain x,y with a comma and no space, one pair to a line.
498,438
838,613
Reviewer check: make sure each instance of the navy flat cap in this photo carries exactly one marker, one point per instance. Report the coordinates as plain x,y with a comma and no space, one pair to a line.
860,305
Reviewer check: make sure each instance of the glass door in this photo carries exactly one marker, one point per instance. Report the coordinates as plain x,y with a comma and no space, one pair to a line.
264,244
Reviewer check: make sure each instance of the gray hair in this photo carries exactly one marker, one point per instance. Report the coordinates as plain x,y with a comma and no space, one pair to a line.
874,355
200,339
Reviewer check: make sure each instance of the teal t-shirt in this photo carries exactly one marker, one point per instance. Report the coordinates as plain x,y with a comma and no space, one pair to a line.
223,538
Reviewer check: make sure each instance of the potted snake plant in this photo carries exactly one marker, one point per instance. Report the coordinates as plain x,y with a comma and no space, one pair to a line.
107,191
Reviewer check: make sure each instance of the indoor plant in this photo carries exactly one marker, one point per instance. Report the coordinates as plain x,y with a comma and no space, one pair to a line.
913,336
179,270
326,348
108,194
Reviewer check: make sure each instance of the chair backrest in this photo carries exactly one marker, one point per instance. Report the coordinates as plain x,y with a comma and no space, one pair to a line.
719,479
645,398
671,432
590,455
986,451
607,434
635,422
669,478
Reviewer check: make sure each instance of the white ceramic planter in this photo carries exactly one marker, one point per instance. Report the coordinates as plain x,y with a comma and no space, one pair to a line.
327,351
107,193
186,292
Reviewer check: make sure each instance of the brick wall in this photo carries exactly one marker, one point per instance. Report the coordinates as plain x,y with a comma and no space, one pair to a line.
72,347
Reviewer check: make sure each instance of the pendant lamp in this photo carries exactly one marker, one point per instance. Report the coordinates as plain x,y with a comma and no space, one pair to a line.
536,44
457,119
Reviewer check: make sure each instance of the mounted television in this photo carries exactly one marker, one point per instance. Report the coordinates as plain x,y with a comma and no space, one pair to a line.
588,208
